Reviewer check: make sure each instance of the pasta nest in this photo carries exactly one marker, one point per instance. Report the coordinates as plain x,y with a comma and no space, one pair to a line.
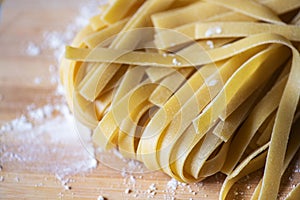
191,87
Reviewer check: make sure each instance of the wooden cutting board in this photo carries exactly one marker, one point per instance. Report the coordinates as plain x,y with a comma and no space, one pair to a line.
27,21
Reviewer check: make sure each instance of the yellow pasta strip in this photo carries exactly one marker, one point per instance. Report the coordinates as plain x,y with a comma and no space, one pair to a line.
164,41
266,134
281,7
215,164
280,134
182,3
155,74
180,35
293,147
169,85
96,23
251,8
180,152
183,36
85,111
242,29
266,86
131,79
124,56
229,16
202,154
253,162
295,193
186,33
100,37
115,81
257,116
128,128
240,86
154,59
103,103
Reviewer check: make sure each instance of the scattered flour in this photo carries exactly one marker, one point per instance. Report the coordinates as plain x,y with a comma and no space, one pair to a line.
132,179
213,31
172,184
127,191
50,131
37,80
152,190
39,134
212,82
118,154
152,187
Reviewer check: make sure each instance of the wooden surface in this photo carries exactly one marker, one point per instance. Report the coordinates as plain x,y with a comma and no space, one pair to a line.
26,21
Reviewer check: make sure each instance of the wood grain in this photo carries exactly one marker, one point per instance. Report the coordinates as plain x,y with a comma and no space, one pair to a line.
27,21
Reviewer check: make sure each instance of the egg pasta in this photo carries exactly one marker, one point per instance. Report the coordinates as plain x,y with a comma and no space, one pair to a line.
192,88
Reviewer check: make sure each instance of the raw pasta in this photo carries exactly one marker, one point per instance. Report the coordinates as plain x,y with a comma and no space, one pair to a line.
192,88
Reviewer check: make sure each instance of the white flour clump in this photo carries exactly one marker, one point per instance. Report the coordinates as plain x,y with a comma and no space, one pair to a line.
100,198
213,31
172,184
210,44
32,49
29,138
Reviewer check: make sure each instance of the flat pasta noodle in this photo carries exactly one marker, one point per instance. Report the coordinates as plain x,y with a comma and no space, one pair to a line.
106,55
242,29
192,88
295,193
257,116
156,74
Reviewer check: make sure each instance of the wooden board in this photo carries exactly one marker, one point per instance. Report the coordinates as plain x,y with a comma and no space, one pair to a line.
27,21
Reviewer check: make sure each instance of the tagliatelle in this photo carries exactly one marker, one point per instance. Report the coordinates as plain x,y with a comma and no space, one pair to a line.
192,88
